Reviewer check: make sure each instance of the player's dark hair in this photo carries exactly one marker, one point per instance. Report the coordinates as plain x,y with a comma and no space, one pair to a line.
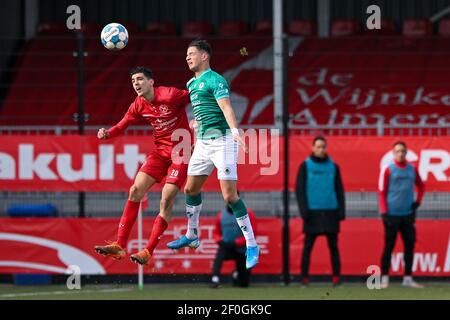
401,143
319,138
201,45
146,71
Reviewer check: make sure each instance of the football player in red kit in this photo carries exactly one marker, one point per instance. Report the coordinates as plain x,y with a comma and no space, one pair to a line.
163,108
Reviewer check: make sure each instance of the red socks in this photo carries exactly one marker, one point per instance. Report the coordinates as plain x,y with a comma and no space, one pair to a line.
159,226
129,215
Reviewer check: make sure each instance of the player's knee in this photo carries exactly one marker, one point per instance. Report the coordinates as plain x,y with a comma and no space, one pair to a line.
230,198
135,193
165,203
190,191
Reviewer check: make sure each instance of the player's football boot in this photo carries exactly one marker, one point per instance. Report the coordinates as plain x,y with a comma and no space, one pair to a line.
112,249
184,242
410,283
384,281
141,257
252,257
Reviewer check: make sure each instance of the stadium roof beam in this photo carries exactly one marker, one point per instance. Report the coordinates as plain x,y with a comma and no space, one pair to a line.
439,15
323,18
31,19
278,62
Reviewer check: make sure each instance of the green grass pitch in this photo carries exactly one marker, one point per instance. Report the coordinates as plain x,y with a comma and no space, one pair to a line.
320,291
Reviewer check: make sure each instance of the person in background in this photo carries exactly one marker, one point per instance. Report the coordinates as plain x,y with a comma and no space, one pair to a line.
231,241
398,210
321,200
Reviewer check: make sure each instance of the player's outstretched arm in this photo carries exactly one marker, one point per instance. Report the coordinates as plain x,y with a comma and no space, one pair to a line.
131,117
228,112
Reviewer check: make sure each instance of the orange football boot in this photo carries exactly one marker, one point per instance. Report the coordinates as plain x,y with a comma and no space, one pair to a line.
112,249
142,257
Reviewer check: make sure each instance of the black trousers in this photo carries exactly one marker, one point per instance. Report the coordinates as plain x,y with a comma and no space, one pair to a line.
310,238
406,226
232,253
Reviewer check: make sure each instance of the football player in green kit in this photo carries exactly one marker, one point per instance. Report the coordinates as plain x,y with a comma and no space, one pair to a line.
216,146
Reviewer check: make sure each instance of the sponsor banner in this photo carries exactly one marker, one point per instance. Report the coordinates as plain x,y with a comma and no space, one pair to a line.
361,244
341,82
84,163
44,245
361,158
48,245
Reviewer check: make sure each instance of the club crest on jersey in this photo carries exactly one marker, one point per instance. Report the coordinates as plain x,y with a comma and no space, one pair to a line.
201,85
164,110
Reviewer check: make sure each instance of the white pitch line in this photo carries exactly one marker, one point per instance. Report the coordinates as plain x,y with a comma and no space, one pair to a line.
32,294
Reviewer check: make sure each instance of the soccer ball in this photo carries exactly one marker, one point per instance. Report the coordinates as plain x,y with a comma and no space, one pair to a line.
114,36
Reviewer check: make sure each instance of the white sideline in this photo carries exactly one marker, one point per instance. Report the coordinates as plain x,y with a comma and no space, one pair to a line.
32,294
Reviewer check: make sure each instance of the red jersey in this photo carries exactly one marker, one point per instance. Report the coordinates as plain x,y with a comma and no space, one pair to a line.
383,185
165,113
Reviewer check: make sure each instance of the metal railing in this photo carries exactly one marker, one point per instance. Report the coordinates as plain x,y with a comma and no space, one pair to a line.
436,205
373,129
351,130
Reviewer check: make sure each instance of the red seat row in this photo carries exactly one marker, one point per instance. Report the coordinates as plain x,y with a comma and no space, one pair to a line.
189,29
410,27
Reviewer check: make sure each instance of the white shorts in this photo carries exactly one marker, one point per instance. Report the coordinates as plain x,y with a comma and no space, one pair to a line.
221,153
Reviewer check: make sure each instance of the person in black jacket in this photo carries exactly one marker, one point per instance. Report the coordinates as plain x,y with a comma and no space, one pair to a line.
321,201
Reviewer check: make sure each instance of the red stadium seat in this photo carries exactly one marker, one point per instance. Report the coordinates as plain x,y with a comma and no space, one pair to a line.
344,28
161,28
444,27
197,29
233,28
131,26
91,28
388,26
264,27
387,29
417,27
302,28
53,28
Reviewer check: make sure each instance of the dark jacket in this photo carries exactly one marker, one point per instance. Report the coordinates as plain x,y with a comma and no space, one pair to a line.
319,221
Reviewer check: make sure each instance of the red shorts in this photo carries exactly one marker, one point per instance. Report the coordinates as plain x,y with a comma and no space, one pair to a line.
159,167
